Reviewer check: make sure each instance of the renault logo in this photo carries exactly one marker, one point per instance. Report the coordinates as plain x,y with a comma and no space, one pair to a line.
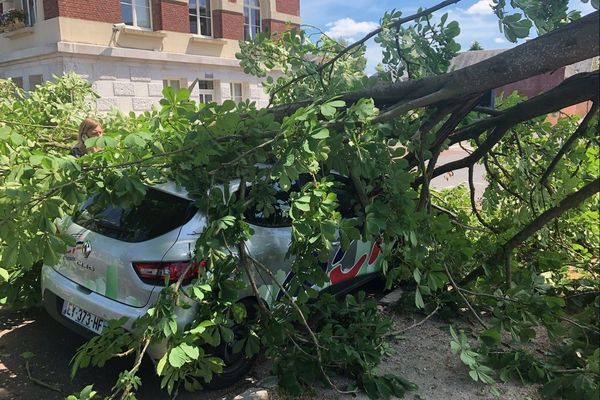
86,249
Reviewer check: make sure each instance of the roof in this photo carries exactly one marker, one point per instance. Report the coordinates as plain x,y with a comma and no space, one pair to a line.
471,57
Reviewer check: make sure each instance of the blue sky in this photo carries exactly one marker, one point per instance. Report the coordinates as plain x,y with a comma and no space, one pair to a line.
352,19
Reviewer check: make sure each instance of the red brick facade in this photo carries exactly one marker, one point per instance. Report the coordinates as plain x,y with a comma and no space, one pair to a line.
288,6
228,25
274,26
170,15
50,9
93,10
535,85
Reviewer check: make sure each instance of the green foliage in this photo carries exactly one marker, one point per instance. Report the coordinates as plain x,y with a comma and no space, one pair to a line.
295,54
546,16
87,393
422,49
475,46
478,370
205,147
353,335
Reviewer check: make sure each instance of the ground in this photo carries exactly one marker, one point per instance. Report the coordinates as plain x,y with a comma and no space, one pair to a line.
421,355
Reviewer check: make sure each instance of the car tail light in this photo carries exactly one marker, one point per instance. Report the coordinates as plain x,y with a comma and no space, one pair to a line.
154,273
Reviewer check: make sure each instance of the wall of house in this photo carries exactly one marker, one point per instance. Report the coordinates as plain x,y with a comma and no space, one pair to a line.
130,85
99,22
87,37
44,32
534,85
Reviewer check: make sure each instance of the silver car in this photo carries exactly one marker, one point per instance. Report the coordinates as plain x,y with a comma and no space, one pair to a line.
121,256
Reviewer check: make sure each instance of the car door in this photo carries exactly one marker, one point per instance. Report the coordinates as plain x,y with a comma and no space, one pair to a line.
270,242
348,266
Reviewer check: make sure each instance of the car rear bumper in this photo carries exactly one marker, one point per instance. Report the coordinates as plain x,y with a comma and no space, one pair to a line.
56,289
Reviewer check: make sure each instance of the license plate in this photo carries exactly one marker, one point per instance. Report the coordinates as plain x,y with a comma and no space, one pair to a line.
83,317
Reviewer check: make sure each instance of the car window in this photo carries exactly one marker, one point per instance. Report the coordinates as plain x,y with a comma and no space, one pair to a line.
348,202
277,215
156,215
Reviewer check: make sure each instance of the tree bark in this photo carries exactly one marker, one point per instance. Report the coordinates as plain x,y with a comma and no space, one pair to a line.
574,90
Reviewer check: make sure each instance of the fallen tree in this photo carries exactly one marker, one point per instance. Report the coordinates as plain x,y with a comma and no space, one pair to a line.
518,254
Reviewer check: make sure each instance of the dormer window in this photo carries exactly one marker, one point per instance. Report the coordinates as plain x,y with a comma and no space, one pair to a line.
252,22
136,13
200,17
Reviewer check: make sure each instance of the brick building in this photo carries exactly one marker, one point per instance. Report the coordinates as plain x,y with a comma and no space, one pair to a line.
534,85
130,49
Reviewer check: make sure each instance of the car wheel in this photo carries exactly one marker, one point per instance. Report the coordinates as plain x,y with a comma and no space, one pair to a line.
237,365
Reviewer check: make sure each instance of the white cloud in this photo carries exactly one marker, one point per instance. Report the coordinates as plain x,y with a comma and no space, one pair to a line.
578,5
481,7
348,28
499,40
374,56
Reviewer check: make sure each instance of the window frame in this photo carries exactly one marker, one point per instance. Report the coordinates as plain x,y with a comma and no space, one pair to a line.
198,17
134,13
35,85
182,82
206,92
250,34
232,95
19,81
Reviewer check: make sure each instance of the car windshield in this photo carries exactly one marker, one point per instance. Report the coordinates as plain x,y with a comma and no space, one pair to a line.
156,215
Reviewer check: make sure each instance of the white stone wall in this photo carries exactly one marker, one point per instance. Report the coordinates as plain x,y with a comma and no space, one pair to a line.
135,85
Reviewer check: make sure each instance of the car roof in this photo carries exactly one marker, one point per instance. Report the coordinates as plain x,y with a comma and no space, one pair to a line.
172,188
179,191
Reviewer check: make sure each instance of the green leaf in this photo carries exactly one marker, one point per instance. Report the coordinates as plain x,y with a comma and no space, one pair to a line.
4,132
161,365
491,337
17,139
177,357
27,355
417,275
321,134
473,375
198,293
4,274
226,334
419,299
135,140
454,347
327,110
191,351
467,358
337,103
302,206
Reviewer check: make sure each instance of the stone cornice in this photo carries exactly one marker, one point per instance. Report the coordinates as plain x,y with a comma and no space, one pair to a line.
82,49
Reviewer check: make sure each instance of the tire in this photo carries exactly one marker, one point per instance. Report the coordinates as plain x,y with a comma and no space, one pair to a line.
237,365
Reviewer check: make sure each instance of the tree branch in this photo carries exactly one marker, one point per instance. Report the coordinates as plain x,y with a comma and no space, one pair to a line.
360,42
574,90
571,201
581,129
569,44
